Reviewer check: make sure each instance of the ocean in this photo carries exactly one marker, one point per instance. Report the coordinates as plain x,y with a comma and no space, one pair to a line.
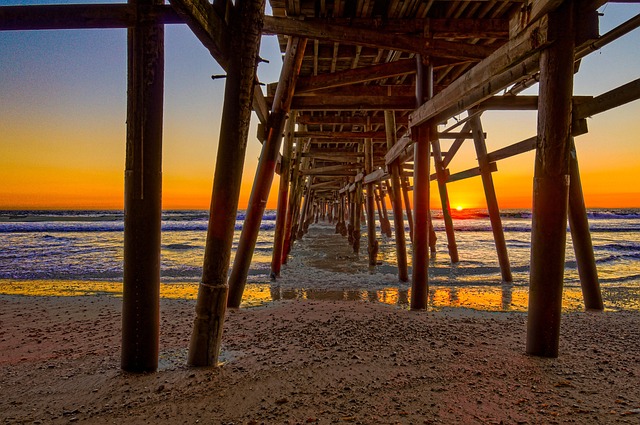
81,253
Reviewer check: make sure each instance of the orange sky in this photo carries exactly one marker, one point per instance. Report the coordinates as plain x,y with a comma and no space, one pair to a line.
63,112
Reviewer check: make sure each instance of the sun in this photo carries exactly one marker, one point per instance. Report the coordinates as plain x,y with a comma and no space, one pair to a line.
459,208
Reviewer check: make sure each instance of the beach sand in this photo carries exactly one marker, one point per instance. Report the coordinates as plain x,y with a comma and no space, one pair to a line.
320,360
303,361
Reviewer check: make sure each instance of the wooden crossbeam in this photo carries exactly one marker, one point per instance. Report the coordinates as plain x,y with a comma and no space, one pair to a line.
207,25
330,169
517,58
397,149
374,38
609,100
355,76
353,103
80,16
441,28
472,172
357,90
346,120
375,176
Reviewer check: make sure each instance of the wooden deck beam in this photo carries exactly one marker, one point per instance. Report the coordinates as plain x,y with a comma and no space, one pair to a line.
374,38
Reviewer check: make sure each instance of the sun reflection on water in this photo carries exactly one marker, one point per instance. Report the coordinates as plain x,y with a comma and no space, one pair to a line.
487,298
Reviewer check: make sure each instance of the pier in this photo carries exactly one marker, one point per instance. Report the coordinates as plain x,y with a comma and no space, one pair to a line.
362,109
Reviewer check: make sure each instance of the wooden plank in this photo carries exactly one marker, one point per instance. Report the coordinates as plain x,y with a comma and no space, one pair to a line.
345,119
441,28
355,76
397,149
609,100
512,150
81,16
360,90
341,134
260,106
472,172
515,59
354,103
375,176
207,25
374,38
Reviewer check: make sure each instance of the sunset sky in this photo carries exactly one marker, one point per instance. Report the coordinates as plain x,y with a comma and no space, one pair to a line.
63,113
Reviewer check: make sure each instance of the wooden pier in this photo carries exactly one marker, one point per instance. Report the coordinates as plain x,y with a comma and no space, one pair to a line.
364,99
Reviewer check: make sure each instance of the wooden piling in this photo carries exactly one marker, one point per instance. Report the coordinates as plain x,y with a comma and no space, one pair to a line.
236,114
294,203
385,224
398,221
581,237
283,198
372,246
441,176
266,170
490,195
551,185
407,205
421,193
143,194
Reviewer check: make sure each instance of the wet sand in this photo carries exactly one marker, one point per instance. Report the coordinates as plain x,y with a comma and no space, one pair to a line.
307,358
316,362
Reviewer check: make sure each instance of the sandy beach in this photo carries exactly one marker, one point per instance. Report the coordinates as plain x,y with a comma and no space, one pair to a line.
316,362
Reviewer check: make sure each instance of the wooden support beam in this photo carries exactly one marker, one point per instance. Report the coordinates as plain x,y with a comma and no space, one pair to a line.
355,76
455,146
377,39
207,25
512,150
581,238
265,170
236,114
421,194
551,186
398,221
294,200
82,16
372,243
609,100
283,198
346,119
353,103
375,176
442,176
397,149
515,59
472,172
440,28
492,199
329,169
143,196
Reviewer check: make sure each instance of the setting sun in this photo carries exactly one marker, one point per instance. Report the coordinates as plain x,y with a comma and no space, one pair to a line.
459,208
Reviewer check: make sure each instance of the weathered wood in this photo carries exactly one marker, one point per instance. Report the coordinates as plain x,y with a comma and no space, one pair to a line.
407,204
385,224
355,76
234,129
398,221
492,199
374,38
208,26
372,243
397,149
420,252
472,172
515,59
348,169
442,176
353,103
375,176
551,186
442,28
513,150
455,146
265,171
294,202
143,196
581,238
609,100
283,198
82,16
346,119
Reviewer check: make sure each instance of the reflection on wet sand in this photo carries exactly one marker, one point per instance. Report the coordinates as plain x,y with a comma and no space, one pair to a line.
488,298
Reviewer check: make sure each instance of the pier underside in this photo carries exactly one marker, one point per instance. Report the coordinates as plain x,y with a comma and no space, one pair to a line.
371,94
